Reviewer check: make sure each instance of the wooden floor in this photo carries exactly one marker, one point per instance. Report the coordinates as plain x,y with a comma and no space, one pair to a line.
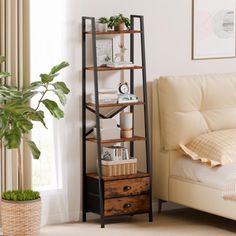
177,223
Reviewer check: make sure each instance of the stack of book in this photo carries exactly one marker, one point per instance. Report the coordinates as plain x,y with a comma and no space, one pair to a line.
127,98
120,64
105,96
115,153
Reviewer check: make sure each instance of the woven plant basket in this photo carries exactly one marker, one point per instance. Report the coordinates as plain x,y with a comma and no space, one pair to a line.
21,218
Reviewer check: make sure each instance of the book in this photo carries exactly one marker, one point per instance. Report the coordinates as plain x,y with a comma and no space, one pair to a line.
105,98
120,64
107,91
115,153
127,98
105,101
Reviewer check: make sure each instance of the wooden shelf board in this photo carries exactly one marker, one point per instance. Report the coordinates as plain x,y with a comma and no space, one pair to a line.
104,68
89,104
108,178
121,140
115,32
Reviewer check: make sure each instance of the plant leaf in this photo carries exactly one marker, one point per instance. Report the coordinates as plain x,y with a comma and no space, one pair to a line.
24,124
2,59
58,67
28,95
53,108
38,116
62,86
4,75
33,86
45,78
12,138
34,149
61,96
3,125
17,107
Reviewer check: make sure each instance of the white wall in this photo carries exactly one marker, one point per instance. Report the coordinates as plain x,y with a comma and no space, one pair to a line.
168,35
168,45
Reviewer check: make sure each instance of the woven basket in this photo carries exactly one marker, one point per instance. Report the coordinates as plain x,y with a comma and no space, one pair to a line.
117,168
21,218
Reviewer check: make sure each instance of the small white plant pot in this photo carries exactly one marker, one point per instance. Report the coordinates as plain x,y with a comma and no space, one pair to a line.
101,27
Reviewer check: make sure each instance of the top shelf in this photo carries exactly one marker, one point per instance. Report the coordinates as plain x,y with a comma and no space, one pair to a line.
115,32
105,68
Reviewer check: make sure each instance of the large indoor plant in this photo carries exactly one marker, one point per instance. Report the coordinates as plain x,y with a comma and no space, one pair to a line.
21,209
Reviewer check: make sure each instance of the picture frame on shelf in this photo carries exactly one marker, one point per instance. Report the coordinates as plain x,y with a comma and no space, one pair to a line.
213,29
104,47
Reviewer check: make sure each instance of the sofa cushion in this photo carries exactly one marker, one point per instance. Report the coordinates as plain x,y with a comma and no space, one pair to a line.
193,105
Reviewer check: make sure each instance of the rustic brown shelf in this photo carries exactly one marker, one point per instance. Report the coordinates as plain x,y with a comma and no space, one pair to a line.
104,68
116,32
116,195
121,140
108,178
89,104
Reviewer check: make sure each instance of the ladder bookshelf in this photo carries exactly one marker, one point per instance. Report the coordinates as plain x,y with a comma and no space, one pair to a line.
118,195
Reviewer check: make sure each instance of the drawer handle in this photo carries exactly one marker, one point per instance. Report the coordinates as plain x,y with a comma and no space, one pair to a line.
127,188
127,205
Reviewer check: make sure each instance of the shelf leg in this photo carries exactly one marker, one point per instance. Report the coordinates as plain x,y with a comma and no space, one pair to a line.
150,216
84,118
99,147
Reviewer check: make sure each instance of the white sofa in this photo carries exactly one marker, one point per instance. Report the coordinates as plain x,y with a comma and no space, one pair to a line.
184,107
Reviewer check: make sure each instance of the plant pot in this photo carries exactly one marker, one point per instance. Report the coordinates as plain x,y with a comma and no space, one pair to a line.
120,27
101,27
21,218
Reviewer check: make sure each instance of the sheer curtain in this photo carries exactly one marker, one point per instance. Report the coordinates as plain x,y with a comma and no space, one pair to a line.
57,175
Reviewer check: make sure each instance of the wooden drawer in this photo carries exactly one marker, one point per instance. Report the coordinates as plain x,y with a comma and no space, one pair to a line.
126,187
126,205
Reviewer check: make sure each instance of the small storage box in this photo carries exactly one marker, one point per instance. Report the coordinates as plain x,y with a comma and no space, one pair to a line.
116,168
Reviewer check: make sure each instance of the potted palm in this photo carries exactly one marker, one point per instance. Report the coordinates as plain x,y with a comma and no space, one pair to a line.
21,209
119,22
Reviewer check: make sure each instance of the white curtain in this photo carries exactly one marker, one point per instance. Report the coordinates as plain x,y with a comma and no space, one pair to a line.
49,46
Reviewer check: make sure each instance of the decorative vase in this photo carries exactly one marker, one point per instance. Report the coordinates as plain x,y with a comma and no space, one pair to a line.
21,217
120,27
126,124
101,27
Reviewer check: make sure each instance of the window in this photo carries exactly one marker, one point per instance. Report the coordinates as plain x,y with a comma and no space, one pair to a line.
46,41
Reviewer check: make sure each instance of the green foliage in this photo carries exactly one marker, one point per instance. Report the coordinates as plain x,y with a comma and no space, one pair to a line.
3,74
114,21
103,20
16,113
26,195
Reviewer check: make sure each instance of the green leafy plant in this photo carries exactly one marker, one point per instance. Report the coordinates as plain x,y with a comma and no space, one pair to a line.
17,114
26,195
103,20
115,21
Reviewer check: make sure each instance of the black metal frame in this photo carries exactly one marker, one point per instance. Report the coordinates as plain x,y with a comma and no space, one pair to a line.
98,114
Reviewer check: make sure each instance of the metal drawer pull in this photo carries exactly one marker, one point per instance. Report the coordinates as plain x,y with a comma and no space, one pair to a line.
127,188
127,205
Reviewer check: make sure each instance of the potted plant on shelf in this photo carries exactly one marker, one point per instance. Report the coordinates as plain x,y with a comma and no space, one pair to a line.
102,24
119,22
21,209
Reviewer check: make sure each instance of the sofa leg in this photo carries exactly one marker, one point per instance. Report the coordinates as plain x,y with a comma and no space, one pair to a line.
160,202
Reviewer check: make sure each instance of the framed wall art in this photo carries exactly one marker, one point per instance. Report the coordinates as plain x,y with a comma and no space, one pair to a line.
213,29
104,51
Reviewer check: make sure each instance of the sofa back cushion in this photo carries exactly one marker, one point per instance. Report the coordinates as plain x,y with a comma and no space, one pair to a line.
193,105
